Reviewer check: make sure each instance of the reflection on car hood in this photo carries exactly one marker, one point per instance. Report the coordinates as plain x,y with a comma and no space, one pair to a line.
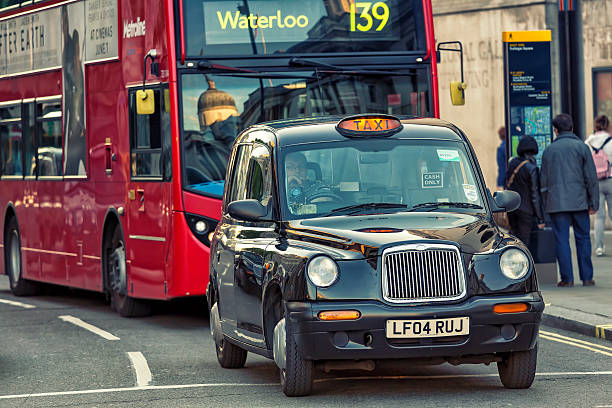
367,233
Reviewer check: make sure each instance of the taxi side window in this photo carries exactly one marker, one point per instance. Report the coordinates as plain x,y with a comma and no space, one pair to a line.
239,178
259,185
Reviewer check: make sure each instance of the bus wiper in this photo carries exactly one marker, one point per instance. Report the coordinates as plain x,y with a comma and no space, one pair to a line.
455,204
334,69
366,206
226,70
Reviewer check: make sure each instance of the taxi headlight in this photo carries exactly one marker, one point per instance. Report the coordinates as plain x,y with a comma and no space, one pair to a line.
322,271
514,263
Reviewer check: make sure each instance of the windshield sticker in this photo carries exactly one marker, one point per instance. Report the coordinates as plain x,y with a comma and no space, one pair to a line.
306,209
448,155
432,180
470,192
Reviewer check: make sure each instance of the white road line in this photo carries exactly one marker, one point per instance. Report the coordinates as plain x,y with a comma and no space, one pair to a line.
143,374
13,303
214,385
87,326
588,343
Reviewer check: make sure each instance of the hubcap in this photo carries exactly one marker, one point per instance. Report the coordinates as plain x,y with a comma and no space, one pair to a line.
118,275
15,256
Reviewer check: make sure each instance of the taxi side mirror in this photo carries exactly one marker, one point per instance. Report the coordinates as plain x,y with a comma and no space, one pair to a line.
457,92
247,210
145,102
506,200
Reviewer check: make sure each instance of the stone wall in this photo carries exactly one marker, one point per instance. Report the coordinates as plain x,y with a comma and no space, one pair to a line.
479,25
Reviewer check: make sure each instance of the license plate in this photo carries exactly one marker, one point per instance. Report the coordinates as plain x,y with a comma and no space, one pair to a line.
406,329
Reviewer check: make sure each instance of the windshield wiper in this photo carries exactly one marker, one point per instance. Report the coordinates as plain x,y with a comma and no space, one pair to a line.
365,206
334,69
456,204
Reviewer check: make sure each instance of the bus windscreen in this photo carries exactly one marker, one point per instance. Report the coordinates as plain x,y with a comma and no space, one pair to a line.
265,27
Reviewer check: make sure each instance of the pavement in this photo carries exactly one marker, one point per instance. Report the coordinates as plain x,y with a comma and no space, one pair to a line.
585,310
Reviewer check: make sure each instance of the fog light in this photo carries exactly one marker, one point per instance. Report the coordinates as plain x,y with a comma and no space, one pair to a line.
339,315
511,308
201,227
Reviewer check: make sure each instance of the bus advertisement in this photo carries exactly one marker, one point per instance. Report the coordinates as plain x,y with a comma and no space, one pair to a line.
117,118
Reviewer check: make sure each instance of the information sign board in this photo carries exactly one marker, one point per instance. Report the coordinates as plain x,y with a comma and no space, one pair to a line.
527,88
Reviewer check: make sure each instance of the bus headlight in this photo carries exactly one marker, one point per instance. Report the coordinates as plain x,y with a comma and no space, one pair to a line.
201,227
322,271
514,263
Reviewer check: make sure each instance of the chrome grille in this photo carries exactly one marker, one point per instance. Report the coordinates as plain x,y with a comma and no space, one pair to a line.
422,273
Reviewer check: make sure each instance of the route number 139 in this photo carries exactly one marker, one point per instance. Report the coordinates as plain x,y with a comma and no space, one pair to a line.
379,11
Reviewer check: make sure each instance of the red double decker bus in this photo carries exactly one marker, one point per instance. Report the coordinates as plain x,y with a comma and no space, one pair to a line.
117,118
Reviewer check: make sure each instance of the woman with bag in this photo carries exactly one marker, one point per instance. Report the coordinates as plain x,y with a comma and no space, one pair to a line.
600,140
523,177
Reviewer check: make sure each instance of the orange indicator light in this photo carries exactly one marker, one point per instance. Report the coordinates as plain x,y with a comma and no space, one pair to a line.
340,315
370,124
511,308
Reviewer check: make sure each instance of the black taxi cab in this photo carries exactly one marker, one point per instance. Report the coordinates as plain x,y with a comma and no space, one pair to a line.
352,243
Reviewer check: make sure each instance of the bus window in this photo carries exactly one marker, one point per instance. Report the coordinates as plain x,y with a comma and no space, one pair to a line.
29,138
150,139
10,141
49,151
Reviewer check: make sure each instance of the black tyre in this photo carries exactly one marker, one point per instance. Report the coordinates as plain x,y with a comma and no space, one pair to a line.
296,378
116,273
13,264
229,355
518,369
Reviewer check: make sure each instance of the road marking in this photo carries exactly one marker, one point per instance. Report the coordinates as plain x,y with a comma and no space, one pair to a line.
600,330
588,343
143,374
12,303
575,344
87,326
213,385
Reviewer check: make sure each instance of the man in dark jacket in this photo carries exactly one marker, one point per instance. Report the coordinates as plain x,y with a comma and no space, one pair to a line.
524,178
570,193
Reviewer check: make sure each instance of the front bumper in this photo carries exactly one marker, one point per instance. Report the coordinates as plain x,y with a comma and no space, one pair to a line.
365,338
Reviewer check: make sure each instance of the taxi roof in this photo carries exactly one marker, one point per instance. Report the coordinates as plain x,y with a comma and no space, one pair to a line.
323,129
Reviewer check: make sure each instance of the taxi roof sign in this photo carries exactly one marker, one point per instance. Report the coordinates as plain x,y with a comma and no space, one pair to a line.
371,125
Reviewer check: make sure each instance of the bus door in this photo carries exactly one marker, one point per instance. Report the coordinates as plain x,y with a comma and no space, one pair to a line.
149,197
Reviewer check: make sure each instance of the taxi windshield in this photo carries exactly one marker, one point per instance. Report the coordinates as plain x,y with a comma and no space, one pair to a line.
381,175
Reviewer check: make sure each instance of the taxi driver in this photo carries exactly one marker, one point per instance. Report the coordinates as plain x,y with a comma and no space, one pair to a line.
299,186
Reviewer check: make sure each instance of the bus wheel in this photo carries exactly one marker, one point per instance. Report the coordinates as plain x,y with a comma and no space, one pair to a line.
116,272
13,267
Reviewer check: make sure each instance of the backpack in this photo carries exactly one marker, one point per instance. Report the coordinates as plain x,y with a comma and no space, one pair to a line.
602,164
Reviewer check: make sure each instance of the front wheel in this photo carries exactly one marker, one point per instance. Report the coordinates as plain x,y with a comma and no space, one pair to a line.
116,272
297,374
14,267
518,369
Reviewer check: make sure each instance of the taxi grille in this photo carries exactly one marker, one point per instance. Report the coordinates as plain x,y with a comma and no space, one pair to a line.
423,275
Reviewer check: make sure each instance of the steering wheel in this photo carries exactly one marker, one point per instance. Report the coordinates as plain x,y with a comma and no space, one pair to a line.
325,194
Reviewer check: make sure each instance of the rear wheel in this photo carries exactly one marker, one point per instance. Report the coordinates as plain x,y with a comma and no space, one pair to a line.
229,355
13,265
518,369
116,272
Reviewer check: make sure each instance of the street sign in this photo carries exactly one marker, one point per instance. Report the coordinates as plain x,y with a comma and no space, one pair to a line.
527,88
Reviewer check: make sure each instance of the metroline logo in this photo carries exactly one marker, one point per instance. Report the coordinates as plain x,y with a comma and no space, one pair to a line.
133,29
255,21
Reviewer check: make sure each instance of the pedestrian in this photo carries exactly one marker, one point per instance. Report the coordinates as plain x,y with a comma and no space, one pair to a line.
524,178
570,193
501,159
600,140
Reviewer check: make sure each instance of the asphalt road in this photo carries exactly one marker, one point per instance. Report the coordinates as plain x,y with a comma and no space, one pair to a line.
49,357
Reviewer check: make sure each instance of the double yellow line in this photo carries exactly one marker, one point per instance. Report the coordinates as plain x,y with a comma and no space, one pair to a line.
596,348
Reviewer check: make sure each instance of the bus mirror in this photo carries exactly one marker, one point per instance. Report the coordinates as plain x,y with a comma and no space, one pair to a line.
145,102
457,92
